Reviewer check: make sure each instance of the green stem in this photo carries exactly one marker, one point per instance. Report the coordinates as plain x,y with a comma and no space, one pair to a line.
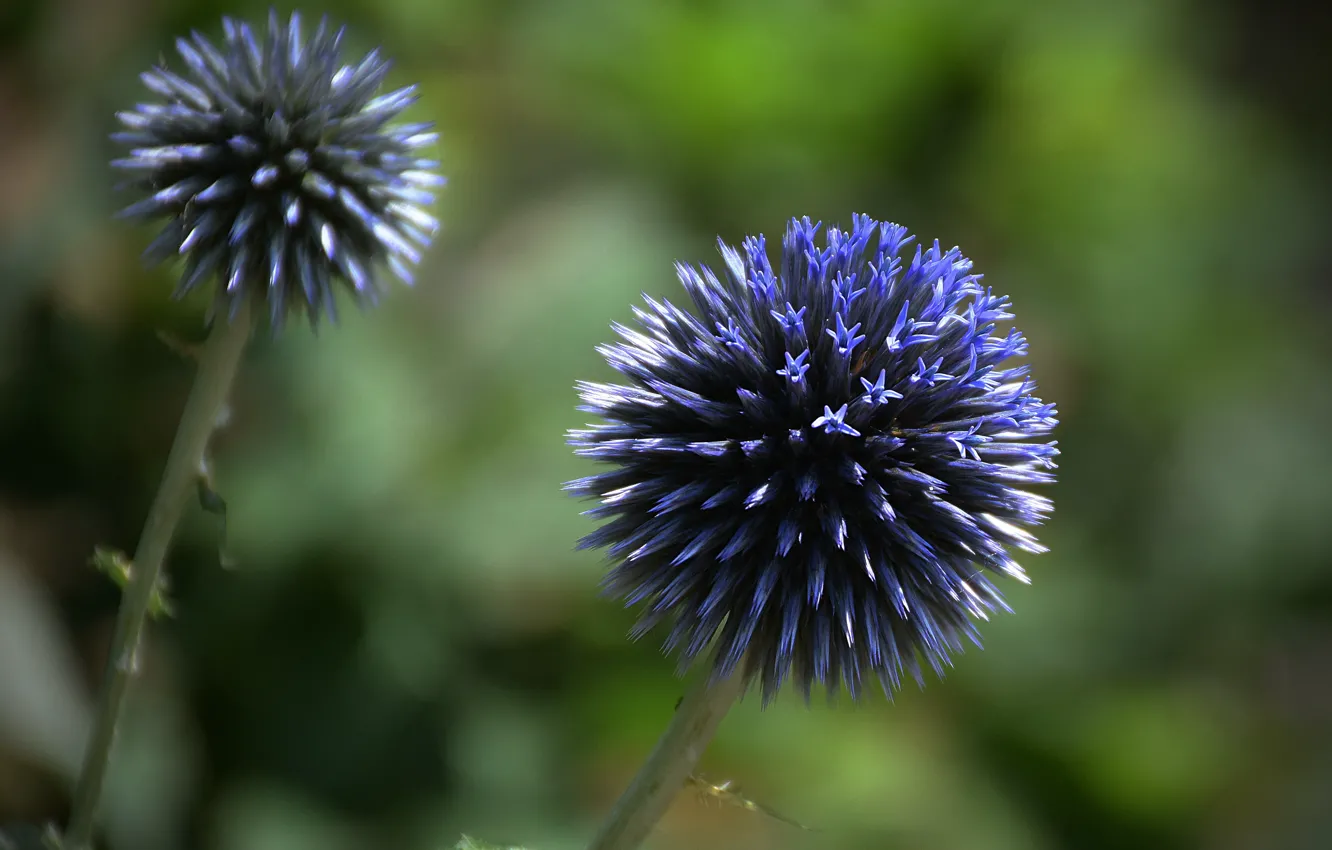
674,759
218,363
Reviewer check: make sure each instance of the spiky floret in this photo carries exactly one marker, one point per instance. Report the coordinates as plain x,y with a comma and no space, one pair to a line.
278,171
822,467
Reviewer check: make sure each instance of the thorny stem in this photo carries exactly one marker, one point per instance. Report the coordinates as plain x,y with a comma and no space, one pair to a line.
218,363
674,759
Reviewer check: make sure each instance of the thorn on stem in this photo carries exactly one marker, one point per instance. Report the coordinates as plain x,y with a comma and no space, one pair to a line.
212,502
178,346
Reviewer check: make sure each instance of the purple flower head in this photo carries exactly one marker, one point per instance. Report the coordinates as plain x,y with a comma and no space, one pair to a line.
820,469
278,171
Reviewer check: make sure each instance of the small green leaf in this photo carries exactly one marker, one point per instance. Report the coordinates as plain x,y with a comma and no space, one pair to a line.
117,565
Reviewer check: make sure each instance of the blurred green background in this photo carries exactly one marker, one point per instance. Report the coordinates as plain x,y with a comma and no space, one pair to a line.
409,647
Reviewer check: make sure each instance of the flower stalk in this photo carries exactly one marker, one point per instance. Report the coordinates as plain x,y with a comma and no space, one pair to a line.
676,755
218,363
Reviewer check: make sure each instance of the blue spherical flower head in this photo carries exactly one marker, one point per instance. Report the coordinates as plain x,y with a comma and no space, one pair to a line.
824,465
279,171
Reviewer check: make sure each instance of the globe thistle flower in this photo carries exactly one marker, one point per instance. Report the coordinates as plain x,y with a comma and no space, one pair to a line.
823,467
278,171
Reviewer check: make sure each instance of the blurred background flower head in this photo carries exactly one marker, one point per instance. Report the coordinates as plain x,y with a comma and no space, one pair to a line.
278,169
